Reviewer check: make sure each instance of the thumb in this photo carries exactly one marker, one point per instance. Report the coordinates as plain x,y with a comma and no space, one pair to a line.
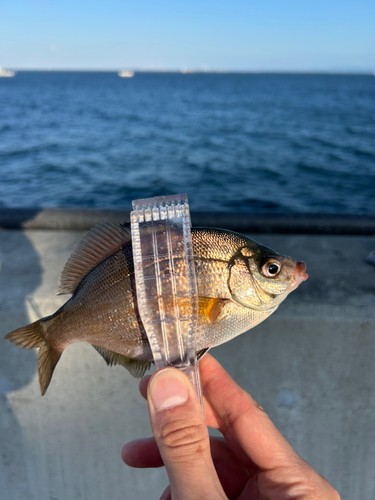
181,434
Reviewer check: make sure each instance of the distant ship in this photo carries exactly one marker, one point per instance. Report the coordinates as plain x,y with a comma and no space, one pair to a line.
6,73
125,73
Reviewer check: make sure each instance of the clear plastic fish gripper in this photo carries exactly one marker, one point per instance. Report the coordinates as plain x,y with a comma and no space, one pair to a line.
165,279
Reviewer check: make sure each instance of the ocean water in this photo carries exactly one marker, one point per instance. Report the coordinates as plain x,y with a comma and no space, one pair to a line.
246,142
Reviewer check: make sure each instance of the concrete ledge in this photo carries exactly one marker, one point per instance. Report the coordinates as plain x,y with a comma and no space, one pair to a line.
290,223
310,365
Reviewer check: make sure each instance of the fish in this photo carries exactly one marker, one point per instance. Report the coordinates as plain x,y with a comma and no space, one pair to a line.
240,283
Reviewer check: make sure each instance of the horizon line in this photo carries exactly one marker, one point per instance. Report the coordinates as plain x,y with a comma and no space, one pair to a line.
189,71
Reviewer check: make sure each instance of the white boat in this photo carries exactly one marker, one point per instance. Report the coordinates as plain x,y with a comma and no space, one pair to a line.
125,73
6,73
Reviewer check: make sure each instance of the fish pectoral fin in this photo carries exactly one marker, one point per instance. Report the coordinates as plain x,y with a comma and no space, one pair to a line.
137,367
211,307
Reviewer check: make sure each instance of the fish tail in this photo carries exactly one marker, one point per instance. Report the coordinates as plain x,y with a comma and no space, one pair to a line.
47,361
31,336
28,336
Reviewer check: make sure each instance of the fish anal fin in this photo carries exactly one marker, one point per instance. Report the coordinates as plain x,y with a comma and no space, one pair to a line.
137,367
101,242
211,307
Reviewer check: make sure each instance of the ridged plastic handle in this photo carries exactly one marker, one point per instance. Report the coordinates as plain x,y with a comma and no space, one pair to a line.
167,293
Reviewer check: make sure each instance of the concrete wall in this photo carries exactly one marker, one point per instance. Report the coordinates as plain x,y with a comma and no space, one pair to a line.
310,365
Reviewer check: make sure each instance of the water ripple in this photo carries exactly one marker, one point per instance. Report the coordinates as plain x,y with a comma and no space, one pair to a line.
271,143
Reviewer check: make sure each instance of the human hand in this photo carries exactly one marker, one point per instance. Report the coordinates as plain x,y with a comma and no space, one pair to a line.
252,462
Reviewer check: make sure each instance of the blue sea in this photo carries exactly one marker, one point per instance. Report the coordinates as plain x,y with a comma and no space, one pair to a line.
233,142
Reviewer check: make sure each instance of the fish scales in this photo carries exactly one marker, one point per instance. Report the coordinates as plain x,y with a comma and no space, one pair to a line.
103,311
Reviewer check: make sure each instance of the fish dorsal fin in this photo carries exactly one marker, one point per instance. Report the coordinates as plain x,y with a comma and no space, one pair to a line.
137,367
101,242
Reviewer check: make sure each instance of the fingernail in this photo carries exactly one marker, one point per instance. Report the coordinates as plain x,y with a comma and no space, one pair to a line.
168,389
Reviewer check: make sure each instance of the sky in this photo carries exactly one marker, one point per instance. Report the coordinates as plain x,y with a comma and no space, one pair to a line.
236,35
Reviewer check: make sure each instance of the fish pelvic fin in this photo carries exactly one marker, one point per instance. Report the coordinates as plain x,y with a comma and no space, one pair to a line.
31,336
137,367
202,352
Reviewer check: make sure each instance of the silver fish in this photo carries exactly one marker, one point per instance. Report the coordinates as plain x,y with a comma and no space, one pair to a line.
240,283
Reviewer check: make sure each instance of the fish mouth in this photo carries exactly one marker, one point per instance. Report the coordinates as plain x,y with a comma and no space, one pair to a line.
299,273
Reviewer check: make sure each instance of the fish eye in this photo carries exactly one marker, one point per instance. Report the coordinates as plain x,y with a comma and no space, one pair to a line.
271,268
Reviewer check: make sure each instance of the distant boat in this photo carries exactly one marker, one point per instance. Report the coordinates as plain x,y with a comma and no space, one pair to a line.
6,73
125,73
187,71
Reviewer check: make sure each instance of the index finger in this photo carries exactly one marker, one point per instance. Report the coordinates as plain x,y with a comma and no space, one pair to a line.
239,417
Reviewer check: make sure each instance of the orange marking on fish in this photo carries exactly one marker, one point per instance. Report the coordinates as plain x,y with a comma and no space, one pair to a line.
211,307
